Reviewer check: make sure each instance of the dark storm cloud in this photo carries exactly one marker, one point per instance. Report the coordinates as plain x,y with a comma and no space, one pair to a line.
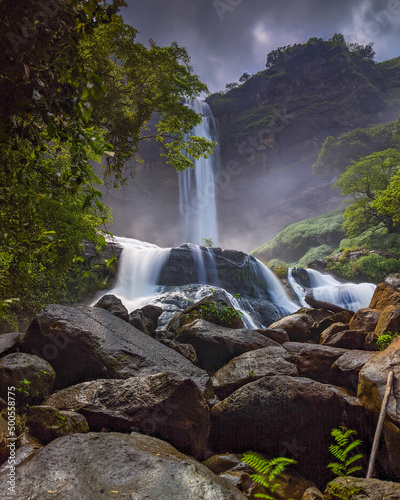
228,37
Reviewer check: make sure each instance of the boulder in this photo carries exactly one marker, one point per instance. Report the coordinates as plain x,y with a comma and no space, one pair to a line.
298,326
312,360
88,343
331,330
27,446
371,389
365,319
384,295
251,366
146,319
9,342
345,370
114,305
33,378
281,416
4,449
389,321
216,345
214,308
162,405
347,339
279,336
340,317
359,489
47,423
312,494
222,463
127,467
186,350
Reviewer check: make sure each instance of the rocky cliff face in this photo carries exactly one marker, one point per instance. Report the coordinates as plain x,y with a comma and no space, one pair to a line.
271,130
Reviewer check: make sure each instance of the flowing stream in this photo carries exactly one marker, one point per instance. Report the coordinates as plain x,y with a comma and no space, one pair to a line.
326,288
197,197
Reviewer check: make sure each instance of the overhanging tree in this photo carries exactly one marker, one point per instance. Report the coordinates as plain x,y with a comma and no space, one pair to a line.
371,182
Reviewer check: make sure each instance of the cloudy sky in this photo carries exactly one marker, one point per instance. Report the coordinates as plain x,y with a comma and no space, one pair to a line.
226,38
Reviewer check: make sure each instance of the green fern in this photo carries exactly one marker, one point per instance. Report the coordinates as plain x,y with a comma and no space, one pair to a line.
267,470
341,450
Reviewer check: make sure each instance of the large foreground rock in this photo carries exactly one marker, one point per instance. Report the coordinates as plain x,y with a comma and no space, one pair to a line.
88,343
371,489
216,345
284,416
251,366
161,405
111,465
371,390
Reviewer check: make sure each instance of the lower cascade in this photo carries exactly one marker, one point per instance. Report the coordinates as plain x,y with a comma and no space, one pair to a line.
326,288
172,278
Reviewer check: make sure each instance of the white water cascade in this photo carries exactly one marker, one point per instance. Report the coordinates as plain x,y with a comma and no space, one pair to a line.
139,268
197,204
326,288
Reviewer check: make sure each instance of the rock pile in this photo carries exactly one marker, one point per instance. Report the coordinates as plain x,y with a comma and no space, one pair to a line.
109,405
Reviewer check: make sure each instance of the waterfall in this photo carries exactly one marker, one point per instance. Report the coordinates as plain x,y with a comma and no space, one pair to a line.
197,196
326,288
139,268
276,291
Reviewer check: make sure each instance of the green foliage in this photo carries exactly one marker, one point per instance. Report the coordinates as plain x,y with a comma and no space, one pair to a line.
385,340
219,313
267,470
142,81
343,451
207,242
295,241
337,154
75,87
284,55
366,182
340,491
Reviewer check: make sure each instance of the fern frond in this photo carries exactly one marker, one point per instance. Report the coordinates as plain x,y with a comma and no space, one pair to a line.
353,469
338,469
260,479
263,495
278,465
337,452
353,459
351,446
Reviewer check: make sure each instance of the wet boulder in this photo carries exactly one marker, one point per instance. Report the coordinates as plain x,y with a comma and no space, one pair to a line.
347,339
371,389
251,366
161,405
216,345
385,295
281,416
298,326
389,321
345,370
97,465
88,343
32,377
146,319
312,360
9,342
47,423
114,305
359,489
365,319
331,330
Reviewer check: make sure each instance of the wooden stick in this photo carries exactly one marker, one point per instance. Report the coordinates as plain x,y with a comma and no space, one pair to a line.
379,426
